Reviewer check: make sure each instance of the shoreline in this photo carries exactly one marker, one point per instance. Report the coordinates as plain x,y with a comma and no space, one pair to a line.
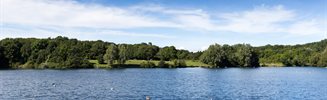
165,68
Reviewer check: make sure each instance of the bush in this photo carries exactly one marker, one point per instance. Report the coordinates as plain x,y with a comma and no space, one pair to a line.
162,64
100,59
147,64
50,65
179,63
28,65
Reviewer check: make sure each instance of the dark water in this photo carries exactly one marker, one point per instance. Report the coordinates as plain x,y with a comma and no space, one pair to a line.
186,83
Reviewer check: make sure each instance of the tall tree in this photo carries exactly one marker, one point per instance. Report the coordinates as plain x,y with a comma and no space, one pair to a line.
182,54
111,54
323,59
12,51
98,48
214,56
4,64
123,54
167,53
247,57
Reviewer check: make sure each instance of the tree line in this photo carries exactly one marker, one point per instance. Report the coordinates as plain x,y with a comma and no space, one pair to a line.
240,55
62,53
310,54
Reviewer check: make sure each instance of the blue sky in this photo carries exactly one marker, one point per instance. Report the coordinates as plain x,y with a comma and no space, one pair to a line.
186,24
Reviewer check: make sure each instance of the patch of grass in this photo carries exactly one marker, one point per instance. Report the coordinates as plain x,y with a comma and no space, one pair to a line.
272,64
195,63
97,65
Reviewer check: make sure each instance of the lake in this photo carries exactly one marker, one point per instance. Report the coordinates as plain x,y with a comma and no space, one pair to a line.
182,83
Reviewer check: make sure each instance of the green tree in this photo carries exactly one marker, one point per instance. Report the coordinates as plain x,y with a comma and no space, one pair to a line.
179,63
12,51
167,53
247,57
145,51
111,54
195,55
182,54
26,51
98,48
162,64
226,56
123,54
323,59
314,59
100,59
214,56
4,63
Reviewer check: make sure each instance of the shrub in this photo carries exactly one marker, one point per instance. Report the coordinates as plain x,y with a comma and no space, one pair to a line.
162,64
147,64
179,63
28,65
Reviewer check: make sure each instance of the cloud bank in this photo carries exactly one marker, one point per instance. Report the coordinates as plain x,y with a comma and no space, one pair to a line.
41,18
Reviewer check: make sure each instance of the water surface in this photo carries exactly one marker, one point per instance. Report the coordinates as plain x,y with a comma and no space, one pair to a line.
183,83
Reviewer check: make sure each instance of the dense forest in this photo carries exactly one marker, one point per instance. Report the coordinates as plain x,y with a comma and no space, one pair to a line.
310,54
64,53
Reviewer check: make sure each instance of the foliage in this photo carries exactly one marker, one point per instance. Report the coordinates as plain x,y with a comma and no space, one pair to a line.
145,51
298,55
111,54
64,53
4,63
163,64
240,55
179,63
100,59
246,56
167,53
147,64
323,59
123,54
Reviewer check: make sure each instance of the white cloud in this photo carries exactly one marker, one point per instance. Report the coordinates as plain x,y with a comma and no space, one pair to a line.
305,28
42,32
121,33
65,16
260,20
72,14
272,20
203,48
187,19
164,10
194,22
181,48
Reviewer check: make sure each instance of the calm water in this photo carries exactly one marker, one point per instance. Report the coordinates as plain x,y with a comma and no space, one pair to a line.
184,83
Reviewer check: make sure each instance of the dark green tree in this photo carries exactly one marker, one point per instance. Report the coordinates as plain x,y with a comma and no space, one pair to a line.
182,54
167,53
214,56
100,59
323,59
4,63
98,48
247,57
12,51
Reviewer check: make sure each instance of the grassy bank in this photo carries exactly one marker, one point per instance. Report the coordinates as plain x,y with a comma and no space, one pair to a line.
189,63
272,65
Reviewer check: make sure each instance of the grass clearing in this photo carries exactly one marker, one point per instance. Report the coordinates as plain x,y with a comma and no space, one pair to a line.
97,65
272,64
